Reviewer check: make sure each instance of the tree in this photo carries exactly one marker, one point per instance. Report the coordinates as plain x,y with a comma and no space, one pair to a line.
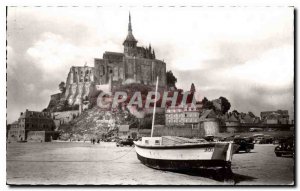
62,87
171,79
207,104
204,100
193,89
235,113
225,105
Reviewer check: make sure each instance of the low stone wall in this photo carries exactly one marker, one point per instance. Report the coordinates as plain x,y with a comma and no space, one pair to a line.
41,136
36,136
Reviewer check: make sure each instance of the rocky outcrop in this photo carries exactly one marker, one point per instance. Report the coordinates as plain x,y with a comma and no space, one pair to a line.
54,100
97,122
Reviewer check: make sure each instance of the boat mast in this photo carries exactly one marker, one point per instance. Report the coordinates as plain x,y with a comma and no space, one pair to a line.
154,110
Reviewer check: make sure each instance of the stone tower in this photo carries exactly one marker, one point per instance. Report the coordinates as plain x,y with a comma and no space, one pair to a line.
130,42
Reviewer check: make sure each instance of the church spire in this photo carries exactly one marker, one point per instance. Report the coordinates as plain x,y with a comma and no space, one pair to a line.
129,43
129,24
130,40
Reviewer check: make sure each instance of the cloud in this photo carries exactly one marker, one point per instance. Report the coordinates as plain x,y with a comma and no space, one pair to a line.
54,55
264,82
273,68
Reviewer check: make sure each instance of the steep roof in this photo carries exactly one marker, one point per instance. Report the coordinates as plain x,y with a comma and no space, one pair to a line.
207,114
113,53
248,119
15,122
232,118
130,37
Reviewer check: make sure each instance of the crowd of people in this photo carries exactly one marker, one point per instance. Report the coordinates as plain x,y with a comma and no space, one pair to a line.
93,141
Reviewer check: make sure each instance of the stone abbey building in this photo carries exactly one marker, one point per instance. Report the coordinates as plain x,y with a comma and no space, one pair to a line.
135,65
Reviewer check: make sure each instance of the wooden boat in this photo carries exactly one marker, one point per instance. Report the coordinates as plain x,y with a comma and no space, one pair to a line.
177,153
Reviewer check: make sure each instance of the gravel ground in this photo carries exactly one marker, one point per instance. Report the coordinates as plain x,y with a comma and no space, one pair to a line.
106,164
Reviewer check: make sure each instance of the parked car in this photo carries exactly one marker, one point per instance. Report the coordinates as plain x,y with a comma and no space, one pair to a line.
277,140
255,129
209,138
107,140
231,138
286,147
258,138
220,139
244,143
125,142
268,139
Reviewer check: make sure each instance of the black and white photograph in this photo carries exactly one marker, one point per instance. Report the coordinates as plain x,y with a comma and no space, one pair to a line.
150,95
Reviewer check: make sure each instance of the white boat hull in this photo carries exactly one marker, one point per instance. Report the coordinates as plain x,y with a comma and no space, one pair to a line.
186,156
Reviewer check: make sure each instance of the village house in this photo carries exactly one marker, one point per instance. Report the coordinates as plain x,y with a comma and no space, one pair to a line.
232,122
275,117
15,133
33,126
126,131
181,115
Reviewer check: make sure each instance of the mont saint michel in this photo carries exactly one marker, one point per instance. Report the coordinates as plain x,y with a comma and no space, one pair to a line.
192,96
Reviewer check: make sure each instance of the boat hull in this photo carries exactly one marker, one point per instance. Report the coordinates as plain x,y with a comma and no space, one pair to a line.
185,157
183,165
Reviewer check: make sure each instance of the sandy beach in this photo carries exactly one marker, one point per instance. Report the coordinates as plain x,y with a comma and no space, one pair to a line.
105,164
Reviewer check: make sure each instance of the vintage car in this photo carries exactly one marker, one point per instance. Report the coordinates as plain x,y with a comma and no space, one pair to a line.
244,143
267,140
209,138
285,147
125,142
258,138
255,129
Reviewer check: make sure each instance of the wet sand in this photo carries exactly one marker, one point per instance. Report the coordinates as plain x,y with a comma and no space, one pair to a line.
106,164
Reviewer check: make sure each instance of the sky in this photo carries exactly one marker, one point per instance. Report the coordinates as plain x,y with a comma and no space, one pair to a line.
244,54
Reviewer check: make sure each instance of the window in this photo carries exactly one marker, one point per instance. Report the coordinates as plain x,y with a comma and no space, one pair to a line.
147,142
103,70
157,142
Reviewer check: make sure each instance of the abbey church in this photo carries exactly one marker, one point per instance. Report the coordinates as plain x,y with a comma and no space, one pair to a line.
136,65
